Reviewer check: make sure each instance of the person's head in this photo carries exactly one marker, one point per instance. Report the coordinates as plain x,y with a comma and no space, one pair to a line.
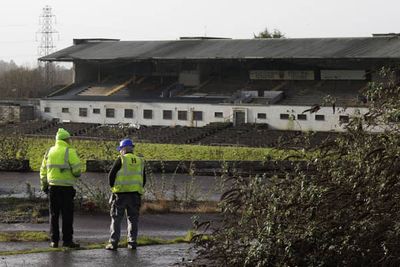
126,146
63,134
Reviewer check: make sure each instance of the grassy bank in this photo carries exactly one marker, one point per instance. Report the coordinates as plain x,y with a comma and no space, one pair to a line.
91,149
39,236
24,236
20,210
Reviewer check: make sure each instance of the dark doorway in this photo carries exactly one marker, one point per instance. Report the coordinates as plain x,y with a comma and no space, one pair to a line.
239,117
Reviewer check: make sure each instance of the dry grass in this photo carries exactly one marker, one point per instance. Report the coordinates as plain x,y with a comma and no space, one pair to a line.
27,211
161,206
164,206
207,207
24,236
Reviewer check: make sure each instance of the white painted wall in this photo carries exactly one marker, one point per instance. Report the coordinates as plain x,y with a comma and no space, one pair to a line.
342,74
331,122
281,75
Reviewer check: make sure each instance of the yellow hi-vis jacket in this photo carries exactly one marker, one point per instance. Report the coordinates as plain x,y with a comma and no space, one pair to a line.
130,177
60,166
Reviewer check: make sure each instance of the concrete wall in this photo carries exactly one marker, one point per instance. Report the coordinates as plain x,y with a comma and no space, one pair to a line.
273,114
9,113
343,75
16,113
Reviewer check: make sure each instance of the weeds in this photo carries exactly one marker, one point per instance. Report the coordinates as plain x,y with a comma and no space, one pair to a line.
24,236
92,196
11,148
162,190
142,241
344,213
30,191
17,210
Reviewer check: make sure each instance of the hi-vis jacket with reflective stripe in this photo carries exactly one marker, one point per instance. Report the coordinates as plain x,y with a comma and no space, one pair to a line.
60,166
130,177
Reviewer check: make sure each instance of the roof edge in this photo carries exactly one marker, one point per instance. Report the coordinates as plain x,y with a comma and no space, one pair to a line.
77,41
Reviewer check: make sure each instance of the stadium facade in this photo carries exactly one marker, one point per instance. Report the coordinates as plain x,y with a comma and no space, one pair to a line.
290,84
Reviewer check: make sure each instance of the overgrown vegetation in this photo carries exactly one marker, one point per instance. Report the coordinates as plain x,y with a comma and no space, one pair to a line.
162,194
24,236
92,196
34,149
17,210
15,147
344,214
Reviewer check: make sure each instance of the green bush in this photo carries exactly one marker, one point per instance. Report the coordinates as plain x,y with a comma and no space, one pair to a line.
346,213
14,147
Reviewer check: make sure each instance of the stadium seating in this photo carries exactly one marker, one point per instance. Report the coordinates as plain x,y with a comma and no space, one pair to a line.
214,134
308,93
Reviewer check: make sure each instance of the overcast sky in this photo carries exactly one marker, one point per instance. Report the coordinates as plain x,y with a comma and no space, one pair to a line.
170,19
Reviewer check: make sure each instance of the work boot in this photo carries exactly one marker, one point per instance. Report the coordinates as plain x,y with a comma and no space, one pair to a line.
132,245
71,245
53,244
111,246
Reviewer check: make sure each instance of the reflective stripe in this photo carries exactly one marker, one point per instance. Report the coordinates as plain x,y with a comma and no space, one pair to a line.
58,181
78,165
132,173
61,166
129,182
66,156
47,153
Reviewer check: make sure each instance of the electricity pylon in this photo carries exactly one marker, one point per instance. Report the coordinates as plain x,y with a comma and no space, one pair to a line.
47,46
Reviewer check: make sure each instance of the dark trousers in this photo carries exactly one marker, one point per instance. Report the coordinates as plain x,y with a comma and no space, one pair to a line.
61,201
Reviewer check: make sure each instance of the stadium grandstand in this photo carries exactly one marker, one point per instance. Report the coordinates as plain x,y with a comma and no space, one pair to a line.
213,134
305,84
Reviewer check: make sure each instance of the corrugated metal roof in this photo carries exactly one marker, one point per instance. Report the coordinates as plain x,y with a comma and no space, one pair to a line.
305,48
